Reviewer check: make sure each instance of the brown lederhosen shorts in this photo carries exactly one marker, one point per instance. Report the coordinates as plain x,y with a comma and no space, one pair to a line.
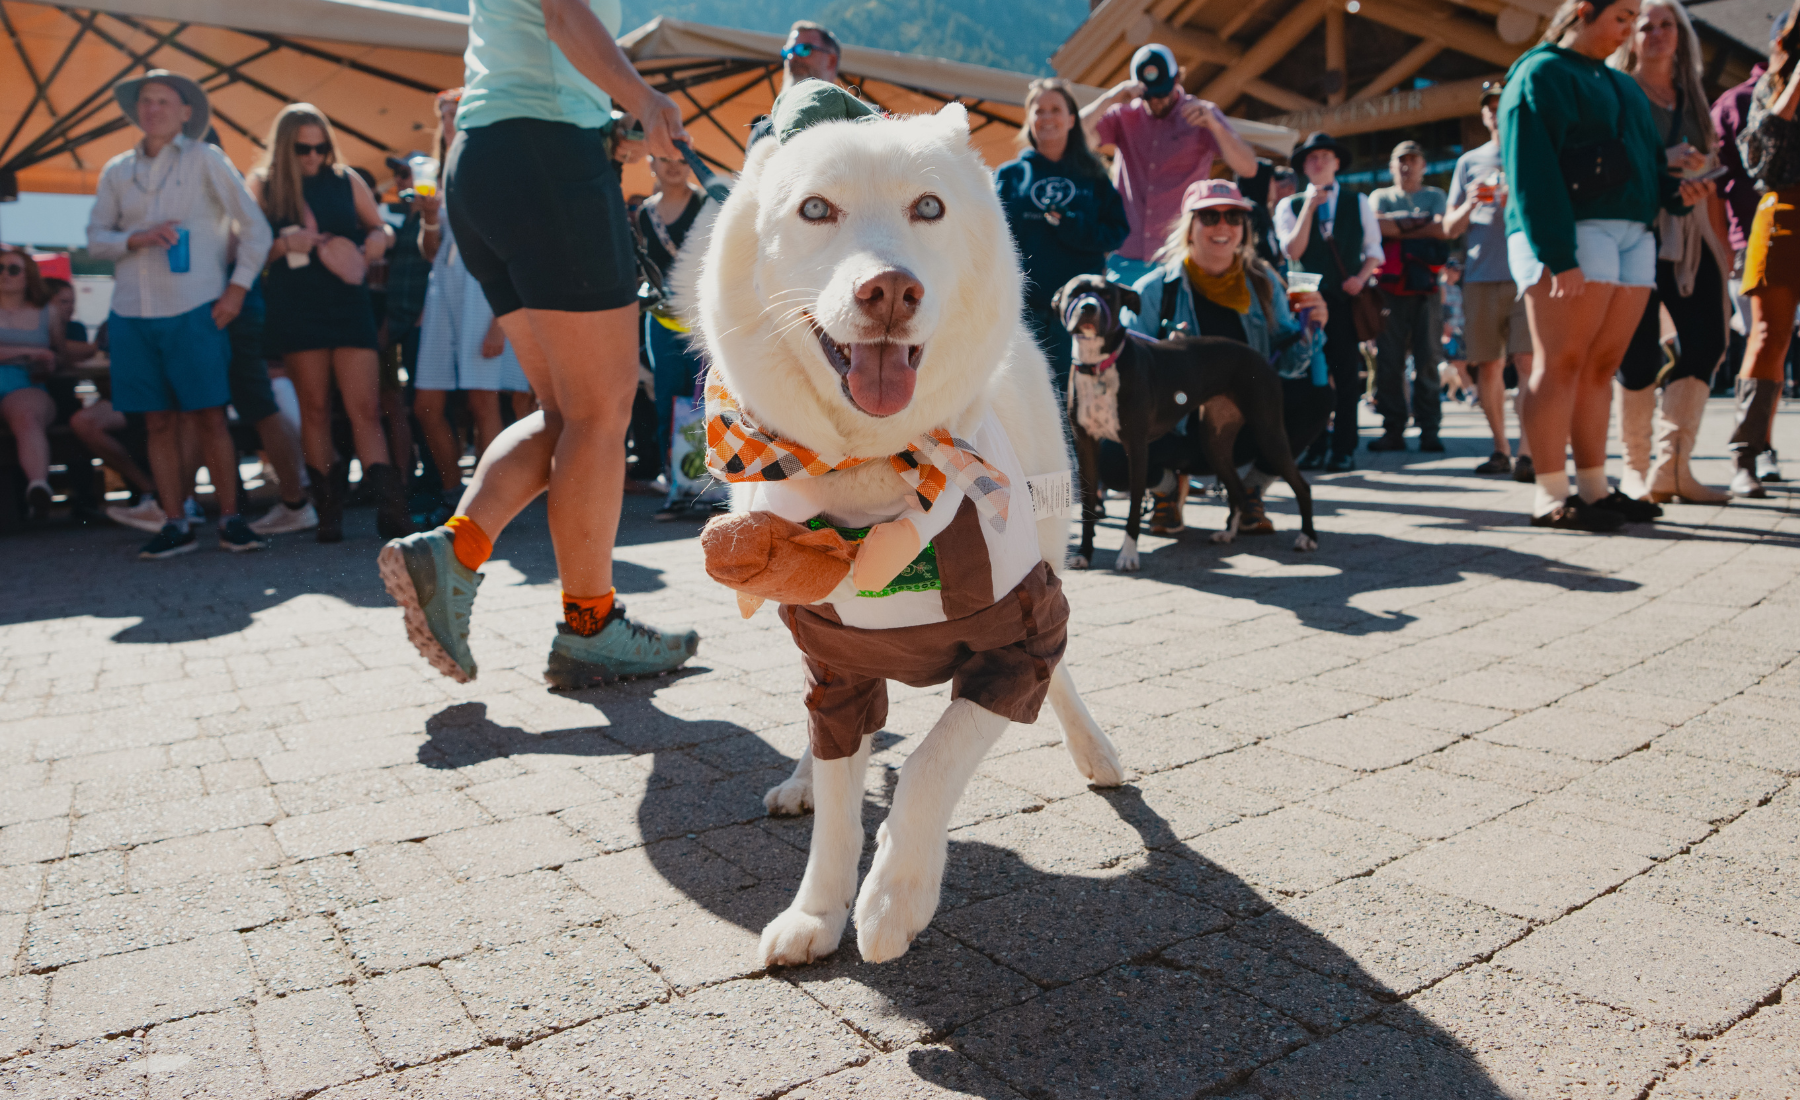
998,654
1772,255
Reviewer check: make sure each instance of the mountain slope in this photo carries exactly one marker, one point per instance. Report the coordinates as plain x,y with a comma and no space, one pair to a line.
1004,34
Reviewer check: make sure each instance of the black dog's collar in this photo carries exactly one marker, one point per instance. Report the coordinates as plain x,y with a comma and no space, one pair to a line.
1103,365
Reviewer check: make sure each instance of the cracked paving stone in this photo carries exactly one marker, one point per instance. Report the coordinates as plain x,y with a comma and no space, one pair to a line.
1657,962
752,1038
530,989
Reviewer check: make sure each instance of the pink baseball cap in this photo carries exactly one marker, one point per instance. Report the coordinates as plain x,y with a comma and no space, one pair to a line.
1202,194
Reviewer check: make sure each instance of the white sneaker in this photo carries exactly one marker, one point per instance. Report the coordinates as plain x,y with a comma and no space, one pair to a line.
145,515
282,520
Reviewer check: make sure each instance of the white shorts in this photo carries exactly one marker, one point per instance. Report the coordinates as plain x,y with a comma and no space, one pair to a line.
1608,250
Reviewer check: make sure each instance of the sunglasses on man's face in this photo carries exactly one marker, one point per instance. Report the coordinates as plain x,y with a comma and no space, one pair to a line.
302,149
12,269
800,49
1234,218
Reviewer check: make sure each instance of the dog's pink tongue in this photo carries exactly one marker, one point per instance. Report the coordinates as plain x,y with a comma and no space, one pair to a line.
880,379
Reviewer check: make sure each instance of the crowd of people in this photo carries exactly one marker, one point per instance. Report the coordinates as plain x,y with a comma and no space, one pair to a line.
1594,253
510,286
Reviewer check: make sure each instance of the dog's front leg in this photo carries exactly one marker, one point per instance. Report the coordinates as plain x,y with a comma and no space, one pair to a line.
1087,458
812,926
901,893
793,795
1137,456
1090,748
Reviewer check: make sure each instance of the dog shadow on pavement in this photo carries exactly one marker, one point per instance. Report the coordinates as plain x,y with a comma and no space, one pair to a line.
1355,583
1082,948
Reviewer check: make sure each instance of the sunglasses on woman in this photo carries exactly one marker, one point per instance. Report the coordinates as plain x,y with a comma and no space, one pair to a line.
12,269
1235,218
301,148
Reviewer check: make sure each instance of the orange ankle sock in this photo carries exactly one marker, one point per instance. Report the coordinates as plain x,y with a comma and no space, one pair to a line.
587,614
469,541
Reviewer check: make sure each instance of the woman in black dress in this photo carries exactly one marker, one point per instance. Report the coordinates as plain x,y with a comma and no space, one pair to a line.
320,323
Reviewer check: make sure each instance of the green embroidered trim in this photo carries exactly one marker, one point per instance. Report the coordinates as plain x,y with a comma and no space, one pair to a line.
920,575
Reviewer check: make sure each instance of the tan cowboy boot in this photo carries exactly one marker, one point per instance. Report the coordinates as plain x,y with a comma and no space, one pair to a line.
1637,408
1677,426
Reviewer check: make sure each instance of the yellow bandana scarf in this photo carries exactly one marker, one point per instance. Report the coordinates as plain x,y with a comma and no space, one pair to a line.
740,450
1230,289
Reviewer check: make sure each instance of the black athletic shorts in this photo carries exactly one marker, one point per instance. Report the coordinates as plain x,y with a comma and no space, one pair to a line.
539,217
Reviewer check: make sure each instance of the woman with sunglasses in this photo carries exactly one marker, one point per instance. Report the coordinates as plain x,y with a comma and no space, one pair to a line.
1211,282
321,327
1063,211
30,341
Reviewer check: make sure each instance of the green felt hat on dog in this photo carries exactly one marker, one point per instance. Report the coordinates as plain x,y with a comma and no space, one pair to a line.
814,101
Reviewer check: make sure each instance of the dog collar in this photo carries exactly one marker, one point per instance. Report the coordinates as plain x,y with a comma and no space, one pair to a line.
1103,365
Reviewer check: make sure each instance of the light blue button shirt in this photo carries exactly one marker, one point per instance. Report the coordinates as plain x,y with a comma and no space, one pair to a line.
513,70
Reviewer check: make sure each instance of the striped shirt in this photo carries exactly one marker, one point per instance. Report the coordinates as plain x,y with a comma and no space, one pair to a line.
192,184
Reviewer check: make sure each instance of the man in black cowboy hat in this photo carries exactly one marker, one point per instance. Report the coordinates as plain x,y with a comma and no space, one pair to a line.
165,211
1341,242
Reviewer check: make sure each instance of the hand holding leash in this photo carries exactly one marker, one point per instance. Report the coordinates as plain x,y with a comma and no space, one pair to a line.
716,188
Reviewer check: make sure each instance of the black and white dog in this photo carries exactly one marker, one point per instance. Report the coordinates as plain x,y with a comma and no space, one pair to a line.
1132,390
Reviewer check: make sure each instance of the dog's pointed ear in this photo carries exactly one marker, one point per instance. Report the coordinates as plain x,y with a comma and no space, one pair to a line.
956,115
1128,298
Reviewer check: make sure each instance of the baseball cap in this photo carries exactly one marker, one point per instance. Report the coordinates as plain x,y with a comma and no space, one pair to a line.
1408,148
1203,194
1490,89
1154,67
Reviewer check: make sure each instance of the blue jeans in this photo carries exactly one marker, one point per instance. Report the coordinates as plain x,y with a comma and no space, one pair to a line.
675,367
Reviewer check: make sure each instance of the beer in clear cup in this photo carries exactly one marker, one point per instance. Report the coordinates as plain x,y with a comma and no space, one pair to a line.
425,175
1302,282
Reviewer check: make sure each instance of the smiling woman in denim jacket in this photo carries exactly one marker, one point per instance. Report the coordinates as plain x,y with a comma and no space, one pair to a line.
1210,282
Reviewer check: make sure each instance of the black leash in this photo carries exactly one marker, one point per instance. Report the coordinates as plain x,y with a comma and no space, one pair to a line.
715,187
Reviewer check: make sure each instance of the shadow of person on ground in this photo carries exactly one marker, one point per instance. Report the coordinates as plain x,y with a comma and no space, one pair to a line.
1151,974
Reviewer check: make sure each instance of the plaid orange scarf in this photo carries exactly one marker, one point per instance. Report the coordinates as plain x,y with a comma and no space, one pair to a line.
740,450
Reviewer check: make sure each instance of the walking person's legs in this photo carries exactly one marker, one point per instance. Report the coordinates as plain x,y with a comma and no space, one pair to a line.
1390,373
1759,382
1427,391
440,438
1699,320
484,409
1576,345
358,371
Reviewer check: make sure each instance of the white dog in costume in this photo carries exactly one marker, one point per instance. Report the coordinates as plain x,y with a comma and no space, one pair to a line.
886,421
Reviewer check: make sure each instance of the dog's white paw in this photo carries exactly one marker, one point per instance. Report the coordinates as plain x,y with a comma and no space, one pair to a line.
797,937
1224,536
1127,561
898,898
789,797
1078,561
1306,542
1097,761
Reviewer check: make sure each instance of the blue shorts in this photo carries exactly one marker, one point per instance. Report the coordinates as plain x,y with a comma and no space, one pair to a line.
161,364
1608,250
15,378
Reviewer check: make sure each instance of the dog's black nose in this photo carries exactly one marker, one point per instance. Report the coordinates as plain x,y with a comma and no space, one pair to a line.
892,296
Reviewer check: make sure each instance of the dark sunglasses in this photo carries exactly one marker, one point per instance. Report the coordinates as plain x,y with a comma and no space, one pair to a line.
801,49
301,148
1211,218
12,269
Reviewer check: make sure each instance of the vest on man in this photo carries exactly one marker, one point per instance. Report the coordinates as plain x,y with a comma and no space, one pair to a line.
1346,238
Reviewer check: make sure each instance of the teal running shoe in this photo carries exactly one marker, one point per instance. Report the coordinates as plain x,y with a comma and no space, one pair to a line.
436,592
622,650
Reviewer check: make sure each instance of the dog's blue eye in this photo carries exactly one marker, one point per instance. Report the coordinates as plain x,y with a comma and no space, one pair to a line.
929,208
815,209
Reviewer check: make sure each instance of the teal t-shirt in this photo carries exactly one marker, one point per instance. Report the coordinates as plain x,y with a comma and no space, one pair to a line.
513,70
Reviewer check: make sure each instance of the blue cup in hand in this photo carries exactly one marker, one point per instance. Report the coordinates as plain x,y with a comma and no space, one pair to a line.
178,253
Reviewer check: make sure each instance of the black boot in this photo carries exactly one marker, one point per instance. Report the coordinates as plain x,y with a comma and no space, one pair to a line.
328,500
392,519
1756,400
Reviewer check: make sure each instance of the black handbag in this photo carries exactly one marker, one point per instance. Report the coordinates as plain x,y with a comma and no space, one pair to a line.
1599,167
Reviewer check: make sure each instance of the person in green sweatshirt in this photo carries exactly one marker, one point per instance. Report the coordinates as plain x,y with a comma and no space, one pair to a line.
1585,262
